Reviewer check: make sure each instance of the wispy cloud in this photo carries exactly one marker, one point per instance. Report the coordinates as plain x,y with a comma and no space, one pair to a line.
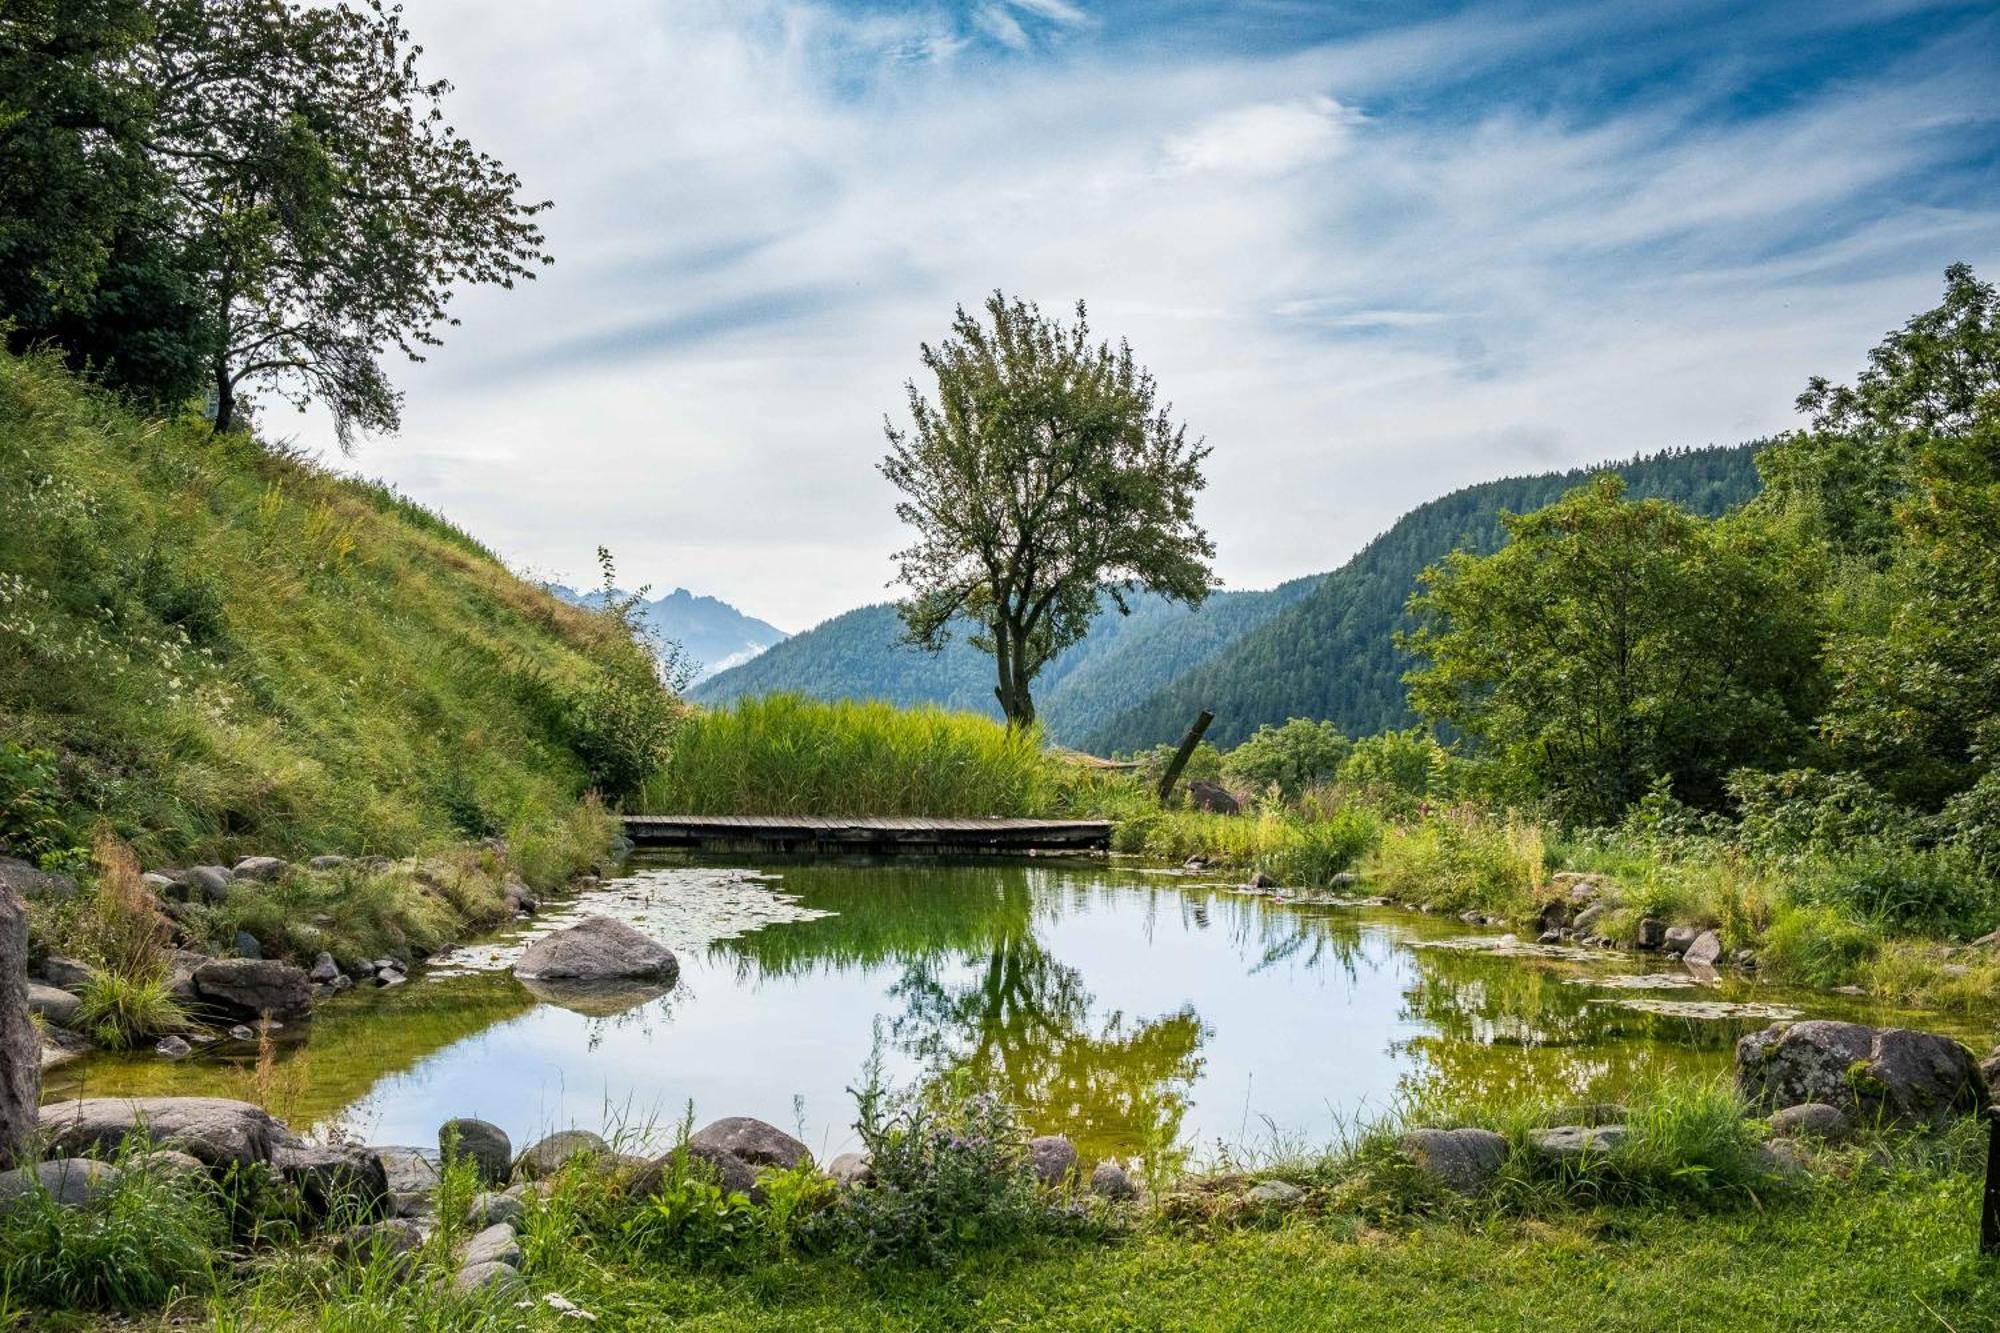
1370,264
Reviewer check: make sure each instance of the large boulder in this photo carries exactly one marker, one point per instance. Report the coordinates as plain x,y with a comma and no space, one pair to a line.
1052,1157
729,1173
255,987
264,869
551,1154
1872,1074
346,1183
70,1181
752,1142
486,1145
218,1131
28,882
1704,951
597,949
54,1004
1459,1159
20,1042
1212,797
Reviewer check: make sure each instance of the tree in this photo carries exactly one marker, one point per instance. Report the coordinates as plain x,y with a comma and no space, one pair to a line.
1610,642
1044,475
1294,758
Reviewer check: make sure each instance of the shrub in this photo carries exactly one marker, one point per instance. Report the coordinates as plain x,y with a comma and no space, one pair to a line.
122,1012
1804,810
1298,850
1932,891
1401,770
31,802
1293,758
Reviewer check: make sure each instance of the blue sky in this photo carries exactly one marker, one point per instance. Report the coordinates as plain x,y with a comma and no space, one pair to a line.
1373,251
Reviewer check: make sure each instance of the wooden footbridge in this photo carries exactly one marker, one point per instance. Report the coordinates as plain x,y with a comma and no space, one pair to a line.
850,833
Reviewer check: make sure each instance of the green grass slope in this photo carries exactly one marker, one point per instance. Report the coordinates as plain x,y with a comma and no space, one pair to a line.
215,647
1332,655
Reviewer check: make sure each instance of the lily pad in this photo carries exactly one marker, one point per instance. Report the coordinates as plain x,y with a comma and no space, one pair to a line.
1712,1010
1649,981
1513,946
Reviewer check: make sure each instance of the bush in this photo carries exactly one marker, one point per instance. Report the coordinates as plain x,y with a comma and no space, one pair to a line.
1803,811
123,1012
31,802
1293,758
1935,891
1401,770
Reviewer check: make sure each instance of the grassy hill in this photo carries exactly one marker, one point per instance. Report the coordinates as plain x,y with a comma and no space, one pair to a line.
216,647
1332,654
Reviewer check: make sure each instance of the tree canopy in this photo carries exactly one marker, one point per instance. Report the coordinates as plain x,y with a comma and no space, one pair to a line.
1044,477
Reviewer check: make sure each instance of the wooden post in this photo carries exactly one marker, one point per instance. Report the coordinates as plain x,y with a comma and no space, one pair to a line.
1185,753
1989,1214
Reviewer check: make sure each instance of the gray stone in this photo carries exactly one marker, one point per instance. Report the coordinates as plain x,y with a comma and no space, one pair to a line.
1212,797
1706,951
181,967
29,882
1871,1074
497,1244
752,1142
210,882
1679,937
1588,917
491,1278
1053,1158
1109,1181
597,949
263,869
241,1033
1551,936
172,1164
324,970
729,1173
248,945
255,987
20,1041
485,1144
390,976
347,1183
1650,933
548,1155
1260,880
851,1168
218,1131
68,973
324,863
56,1005
488,1209
70,1181
396,1238
60,1046
1274,1194
172,1048
1460,1159
1990,1067
1575,1142
1812,1120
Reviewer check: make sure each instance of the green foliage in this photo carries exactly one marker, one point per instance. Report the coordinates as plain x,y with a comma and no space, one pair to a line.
231,650
1613,641
1901,890
1802,811
692,1219
1816,946
151,1238
1457,861
1401,770
1204,764
121,1012
1300,850
1043,478
31,801
1293,758
787,755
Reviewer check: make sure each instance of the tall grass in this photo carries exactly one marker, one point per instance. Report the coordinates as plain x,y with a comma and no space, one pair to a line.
788,755
1296,850
1461,860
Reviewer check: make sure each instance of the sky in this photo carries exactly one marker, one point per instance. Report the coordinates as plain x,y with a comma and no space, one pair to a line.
1373,251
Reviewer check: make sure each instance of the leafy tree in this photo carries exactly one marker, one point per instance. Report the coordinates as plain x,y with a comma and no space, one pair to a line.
1295,757
1044,475
1613,641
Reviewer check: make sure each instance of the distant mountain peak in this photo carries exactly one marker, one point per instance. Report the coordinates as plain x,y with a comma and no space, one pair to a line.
714,634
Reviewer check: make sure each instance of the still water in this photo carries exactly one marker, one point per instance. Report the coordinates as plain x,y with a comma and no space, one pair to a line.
1134,1010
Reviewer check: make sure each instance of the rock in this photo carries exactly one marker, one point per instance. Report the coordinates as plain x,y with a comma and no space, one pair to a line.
60,1046
241,1033
1213,797
20,1041
172,1048
324,970
29,882
1869,1073
68,974
346,1183
548,1156
263,869
752,1142
1109,1181
70,1181
256,987
850,1168
1706,951
1679,937
1575,1142
1274,1194
1650,933
390,976
248,945
325,863
210,882
494,1278
497,1244
1260,880
171,1164
486,1144
1745,959
1588,917
1053,1158
1812,1120
52,1003
488,1209
1460,1159
395,1238
181,967
1195,863
1990,1067
597,949
731,1174
1549,937
412,1177
216,1130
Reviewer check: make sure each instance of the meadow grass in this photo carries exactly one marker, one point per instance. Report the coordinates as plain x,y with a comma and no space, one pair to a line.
1296,850
785,754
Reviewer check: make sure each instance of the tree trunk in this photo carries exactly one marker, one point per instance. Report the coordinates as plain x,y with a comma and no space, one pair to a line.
225,399
20,1044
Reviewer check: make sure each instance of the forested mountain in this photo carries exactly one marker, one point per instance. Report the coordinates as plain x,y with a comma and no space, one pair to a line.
860,655
714,635
1332,655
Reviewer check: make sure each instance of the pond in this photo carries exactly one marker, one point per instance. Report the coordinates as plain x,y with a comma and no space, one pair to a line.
1135,1010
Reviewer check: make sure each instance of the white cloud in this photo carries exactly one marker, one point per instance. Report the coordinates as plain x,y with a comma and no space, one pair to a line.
763,206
